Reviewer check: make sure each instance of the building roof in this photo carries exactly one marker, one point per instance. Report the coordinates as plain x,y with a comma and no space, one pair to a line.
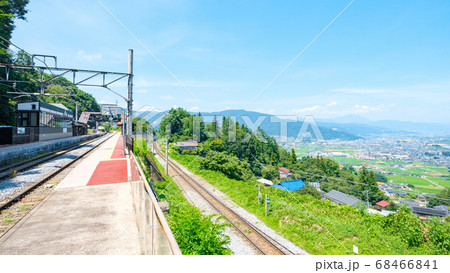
383,203
343,198
283,169
188,143
265,181
52,108
60,105
436,211
290,185
409,202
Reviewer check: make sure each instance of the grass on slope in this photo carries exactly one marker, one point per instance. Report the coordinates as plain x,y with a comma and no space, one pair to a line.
195,233
319,227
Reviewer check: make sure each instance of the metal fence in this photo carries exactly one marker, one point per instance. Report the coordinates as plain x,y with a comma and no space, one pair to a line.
154,231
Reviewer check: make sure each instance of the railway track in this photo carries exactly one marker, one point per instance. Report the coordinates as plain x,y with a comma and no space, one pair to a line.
29,187
28,163
263,243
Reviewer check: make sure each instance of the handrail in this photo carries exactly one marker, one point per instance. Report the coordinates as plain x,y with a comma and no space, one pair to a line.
162,220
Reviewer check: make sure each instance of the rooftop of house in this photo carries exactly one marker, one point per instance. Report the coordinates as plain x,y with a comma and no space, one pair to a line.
343,198
383,203
187,143
265,181
283,169
290,185
409,202
441,211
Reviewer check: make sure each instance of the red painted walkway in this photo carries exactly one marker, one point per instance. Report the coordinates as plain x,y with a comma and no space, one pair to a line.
113,169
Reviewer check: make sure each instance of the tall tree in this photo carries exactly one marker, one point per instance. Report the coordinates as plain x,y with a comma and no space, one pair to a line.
368,183
293,157
10,10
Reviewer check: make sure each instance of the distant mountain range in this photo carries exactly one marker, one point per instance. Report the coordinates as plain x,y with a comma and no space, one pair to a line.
344,128
361,126
271,124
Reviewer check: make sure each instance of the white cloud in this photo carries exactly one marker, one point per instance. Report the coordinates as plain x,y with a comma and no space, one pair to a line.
195,108
93,57
362,109
315,108
166,97
141,91
174,106
329,109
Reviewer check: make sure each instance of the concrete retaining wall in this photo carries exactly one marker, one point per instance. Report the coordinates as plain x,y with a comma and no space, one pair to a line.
13,154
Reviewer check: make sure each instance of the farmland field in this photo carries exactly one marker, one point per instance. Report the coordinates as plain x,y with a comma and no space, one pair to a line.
399,171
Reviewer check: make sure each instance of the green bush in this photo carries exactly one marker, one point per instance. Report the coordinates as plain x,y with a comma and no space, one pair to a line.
408,226
438,234
270,172
189,152
229,165
308,190
195,233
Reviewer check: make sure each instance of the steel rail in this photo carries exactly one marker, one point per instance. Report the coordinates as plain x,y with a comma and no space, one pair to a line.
28,163
17,197
270,242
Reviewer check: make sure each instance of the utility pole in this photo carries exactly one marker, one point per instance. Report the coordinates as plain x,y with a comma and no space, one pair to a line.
259,194
151,141
167,156
265,201
130,93
76,112
123,132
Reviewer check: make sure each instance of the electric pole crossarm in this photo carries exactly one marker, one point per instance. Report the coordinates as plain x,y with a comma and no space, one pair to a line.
15,66
81,82
88,78
56,77
113,81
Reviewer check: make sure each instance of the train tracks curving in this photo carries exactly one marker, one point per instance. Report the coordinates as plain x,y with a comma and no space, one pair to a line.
28,186
263,243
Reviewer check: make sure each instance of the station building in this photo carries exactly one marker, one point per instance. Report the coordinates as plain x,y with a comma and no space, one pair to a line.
38,121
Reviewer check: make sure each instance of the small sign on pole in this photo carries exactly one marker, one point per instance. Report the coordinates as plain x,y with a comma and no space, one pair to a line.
355,249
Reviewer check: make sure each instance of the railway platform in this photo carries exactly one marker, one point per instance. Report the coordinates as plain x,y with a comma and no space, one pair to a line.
103,206
11,153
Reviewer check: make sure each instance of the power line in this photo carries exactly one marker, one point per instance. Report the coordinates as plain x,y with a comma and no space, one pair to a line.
31,55
325,176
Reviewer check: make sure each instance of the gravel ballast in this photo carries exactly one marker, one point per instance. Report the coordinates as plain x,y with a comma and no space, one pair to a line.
12,185
237,242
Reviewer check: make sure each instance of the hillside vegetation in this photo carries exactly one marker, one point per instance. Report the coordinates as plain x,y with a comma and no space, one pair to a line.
318,226
236,151
64,92
195,233
323,227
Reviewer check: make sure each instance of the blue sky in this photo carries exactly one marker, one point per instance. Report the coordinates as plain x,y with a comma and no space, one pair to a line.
380,59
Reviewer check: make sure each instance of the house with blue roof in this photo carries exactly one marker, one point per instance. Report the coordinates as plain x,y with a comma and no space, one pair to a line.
290,185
